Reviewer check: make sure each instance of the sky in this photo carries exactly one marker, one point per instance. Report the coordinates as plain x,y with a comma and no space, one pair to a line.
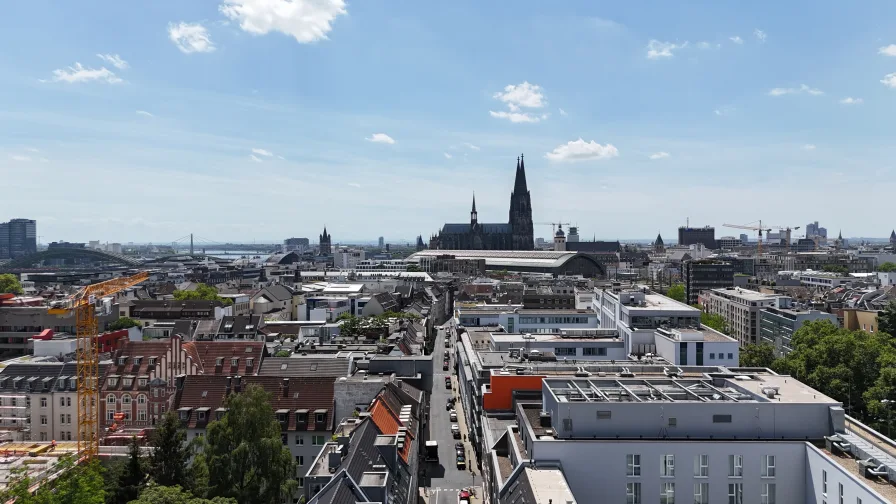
259,120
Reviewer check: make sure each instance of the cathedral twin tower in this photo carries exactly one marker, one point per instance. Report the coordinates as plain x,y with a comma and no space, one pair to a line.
517,234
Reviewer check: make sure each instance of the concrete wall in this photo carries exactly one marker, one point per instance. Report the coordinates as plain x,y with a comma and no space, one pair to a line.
817,464
599,468
405,366
670,350
353,392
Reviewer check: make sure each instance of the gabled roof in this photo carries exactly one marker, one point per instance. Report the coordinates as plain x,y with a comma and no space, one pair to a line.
277,292
341,489
208,353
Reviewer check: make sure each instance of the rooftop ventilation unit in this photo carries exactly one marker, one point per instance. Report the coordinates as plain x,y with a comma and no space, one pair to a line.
770,392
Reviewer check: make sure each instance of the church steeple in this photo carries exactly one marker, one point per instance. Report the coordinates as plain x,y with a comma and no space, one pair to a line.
519,184
474,217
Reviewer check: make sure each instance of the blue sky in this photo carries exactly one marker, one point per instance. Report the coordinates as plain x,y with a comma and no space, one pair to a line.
265,119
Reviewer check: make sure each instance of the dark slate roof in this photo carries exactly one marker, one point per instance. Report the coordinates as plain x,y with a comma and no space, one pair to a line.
238,324
593,246
386,301
277,292
286,367
455,229
342,489
404,291
40,371
518,490
489,228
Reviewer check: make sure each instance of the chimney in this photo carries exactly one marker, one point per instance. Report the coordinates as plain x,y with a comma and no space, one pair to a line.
286,387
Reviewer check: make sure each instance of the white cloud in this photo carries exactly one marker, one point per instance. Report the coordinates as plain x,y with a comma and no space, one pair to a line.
381,138
657,49
723,111
808,147
190,37
447,156
471,146
736,40
114,60
659,155
354,184
20,158
305,20
889,80
849,100
253,157
520,96
144,113
580,150
704,45
31,149
759,34
78,73
262,152
563,112
516,117
281,157
800,90
889,50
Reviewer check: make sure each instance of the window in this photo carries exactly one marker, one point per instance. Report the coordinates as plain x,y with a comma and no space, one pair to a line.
128,382
564,351
824,482
141,382
721,419
319,418
768,466
701,466
43,436
110,399
155,392
141,399
234,362
62,401
667,494
126,399
735,493
300,440
768,494
68,418
301,482
633,465
68,401
61,418
43,419
284,438
141,415
317,440
300,460
701,493
730,356
152,361
113,382
840,491
667,468
43,402
201,415
110,415
712,356
604,414
632,493
735,466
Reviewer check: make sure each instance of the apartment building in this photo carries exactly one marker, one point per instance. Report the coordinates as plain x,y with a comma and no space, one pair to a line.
18,324
777,325
706,274
736,436
740,308
523,320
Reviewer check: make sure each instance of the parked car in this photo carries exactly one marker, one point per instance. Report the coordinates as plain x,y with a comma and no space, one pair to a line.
452,415
448,382
455,431
450,404
460,453
458,446
445,366
461,463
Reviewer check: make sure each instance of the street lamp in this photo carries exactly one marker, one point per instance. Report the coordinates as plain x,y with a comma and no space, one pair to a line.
888,402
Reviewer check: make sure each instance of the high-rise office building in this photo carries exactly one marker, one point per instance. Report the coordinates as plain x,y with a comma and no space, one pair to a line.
382,242
691,236
18,238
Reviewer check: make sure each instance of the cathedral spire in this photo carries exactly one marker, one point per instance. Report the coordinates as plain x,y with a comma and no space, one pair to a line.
474,216
519,185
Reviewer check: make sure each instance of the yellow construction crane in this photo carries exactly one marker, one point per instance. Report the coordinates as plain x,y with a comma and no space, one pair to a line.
83,304
759,228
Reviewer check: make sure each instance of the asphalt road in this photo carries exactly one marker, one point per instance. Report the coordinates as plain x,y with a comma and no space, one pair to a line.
445,480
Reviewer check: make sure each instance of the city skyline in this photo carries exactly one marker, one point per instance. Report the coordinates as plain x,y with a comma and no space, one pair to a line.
241,124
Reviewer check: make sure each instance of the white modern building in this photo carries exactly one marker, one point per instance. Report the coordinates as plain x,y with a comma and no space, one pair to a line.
570,345
514,318
740,308
348,258
650,323
743,436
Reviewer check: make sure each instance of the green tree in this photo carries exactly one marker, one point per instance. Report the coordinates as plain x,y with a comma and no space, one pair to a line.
169,461
845,365
677,293
203,292
283,353
886,319
761,355
9,284
714,321
244,453
124,323
413,268
887,267
157,494
132,476
835,268
76,484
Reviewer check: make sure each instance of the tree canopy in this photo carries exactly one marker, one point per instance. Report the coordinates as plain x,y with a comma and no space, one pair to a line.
157,494
677,293
169,462
714,321
244,454
203,292
283,353
81,484
887,267
761,355
9,284
835,268
886,319
124,323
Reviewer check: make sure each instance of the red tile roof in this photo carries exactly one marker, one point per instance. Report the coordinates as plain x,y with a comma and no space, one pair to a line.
387,422
305,393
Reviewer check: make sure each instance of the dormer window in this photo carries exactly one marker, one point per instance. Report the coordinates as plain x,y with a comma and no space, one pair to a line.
319,418
234,362
219,361
138,360
249,361
152,361
122,361
113,382
127,382
142,382
201,415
